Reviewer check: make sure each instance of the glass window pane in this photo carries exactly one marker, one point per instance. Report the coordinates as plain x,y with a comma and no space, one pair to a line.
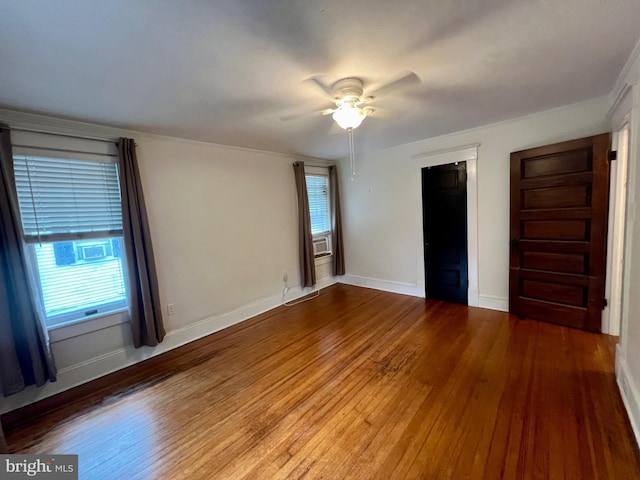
81,276
317,191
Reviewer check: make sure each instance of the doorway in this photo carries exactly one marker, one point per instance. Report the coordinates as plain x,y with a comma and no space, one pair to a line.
444,223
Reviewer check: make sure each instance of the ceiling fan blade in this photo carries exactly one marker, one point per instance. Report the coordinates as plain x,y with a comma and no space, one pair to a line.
382,113
326,89
306,113
402,82
291,116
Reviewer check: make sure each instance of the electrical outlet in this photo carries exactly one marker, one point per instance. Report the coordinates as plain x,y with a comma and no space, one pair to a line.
171,308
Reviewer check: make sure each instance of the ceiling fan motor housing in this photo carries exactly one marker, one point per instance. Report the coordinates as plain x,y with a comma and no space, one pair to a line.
348,90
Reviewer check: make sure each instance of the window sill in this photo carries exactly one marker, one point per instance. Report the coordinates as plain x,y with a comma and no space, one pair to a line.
58,333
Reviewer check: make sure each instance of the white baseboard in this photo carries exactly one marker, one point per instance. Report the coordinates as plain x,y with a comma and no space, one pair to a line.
99,366
629,392
386,285
475,300
494,303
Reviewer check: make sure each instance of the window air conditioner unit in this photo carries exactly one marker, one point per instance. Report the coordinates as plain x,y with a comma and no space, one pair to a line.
321,246
92,252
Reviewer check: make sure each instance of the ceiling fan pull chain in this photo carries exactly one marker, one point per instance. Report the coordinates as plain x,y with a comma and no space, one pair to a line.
352,154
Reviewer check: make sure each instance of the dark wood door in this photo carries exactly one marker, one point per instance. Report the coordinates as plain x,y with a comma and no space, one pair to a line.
444,221
559,203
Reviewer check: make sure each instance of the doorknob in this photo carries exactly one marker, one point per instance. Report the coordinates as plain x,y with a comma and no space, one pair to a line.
515,243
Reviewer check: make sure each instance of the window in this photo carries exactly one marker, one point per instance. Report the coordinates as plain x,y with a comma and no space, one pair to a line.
318,193
72,221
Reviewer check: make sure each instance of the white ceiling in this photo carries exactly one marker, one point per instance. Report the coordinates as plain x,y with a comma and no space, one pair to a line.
224,71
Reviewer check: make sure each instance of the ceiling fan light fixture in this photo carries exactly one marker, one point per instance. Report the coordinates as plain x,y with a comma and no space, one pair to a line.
349,116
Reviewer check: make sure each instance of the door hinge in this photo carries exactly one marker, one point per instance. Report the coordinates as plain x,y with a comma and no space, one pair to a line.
605,303
613,155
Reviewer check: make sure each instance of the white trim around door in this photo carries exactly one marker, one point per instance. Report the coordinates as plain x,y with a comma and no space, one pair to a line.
469,154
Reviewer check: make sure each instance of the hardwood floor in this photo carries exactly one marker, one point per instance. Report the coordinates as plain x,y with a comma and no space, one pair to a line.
358,384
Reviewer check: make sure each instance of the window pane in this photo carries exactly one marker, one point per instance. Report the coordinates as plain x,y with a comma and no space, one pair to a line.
317,190
81,276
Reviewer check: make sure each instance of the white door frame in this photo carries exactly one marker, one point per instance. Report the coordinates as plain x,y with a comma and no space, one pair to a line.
618,201
469,154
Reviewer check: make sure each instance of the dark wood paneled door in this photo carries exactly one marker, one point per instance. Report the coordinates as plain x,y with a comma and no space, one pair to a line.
444,220
559,203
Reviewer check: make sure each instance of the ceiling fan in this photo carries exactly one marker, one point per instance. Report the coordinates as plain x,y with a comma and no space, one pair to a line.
352,104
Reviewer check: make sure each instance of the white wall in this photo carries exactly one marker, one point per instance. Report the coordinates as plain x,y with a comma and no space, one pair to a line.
224,228
627,95
223,224
383,210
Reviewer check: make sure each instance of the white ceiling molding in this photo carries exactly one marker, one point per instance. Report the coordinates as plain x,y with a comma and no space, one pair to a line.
621,106
630,74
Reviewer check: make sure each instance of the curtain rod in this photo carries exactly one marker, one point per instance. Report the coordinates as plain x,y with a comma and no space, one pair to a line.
70,135
63,150
320,164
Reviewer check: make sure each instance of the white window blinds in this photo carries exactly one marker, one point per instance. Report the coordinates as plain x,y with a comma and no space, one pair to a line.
317,191
67,199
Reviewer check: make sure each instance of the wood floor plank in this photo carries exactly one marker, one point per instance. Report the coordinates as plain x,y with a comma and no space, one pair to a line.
357,384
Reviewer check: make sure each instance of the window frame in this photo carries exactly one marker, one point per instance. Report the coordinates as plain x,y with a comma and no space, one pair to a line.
328,234
77,316
111,313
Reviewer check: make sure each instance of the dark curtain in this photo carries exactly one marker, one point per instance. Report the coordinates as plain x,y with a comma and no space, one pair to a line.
336,222
25,354
307,258
144,297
